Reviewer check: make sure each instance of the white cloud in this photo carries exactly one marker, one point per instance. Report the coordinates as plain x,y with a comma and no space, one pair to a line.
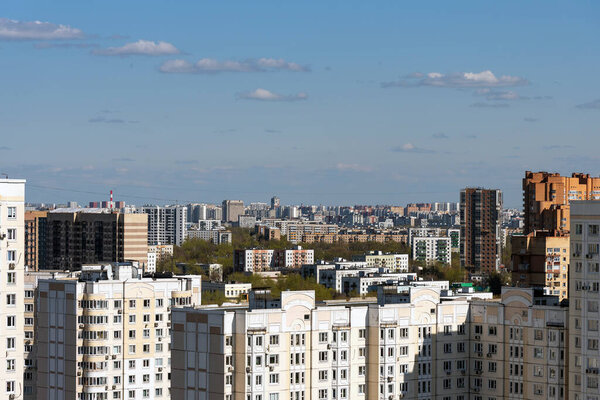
36,30
266,95
489,105
212,66
411,148
353,167
140,48
457,80
499,94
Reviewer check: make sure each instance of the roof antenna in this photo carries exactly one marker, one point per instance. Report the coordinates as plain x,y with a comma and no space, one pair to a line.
5,174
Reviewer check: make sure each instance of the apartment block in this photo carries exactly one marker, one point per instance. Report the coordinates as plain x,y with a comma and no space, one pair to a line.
540,259
293,258
481,246
546,198
253,260
35,239
216,236
408,344
432,249
12,309
31,294
584,301
166,225
106,334
232,209
91,235
392,262
231,290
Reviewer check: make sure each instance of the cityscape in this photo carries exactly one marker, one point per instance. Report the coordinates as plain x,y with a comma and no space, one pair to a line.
171,229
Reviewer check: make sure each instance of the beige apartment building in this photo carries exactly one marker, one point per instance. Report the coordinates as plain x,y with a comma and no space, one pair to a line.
388,261
12,257
106,334
542,260
35,239
410,344
546,198
94,235
584,301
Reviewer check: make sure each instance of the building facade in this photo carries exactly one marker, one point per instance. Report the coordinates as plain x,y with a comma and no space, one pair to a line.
540,259
35,239
12,266
232,209
379,259
432,249
106,334
584,301
480,223
409,344
87,235
546,198
166,225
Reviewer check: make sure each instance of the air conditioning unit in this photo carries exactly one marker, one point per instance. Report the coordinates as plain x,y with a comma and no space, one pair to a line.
159,369
106,357
81,326
119,311
479,354
78,373
489,355
462,371
328,347
11,265
477,337
271,368
11,396
160,339
230,369
155,324
248,369
2,236
448,372
114,387
106,387
114,356
476,389
168,308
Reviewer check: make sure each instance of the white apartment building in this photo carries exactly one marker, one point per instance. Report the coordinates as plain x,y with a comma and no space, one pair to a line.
231,290
363,284
151,263
12,257
216,236
393,262
106,334
584,301
408,345
432,249
166,225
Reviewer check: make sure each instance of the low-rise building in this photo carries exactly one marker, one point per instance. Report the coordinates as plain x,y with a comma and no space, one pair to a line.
393,262
216,236
231,290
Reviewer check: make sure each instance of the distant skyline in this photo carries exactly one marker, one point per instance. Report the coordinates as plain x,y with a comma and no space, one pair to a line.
333,103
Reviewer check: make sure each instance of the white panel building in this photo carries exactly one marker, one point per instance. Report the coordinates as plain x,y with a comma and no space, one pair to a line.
12,257
166,225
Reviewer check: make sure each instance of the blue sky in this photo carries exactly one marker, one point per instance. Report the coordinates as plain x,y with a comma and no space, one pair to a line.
337,102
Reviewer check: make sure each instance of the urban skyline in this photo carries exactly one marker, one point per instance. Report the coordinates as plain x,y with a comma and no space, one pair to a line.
318,103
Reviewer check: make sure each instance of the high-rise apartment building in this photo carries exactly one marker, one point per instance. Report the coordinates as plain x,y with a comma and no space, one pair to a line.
232,209
92,235
584,301
480,211
546,198
106,335
540,259
431,249
166,225
408,345
12,266
35,239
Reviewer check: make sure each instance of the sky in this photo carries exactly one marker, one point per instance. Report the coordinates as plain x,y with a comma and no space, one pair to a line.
318,102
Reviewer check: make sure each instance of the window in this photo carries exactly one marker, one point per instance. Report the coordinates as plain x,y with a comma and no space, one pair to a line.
11,256
11,299
274,378
11,321
11,277
492,331
10,343
131,303
323,337
322,356
132,319
274,340
11,234
362,333
362,370
11,212
323,375
10,364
